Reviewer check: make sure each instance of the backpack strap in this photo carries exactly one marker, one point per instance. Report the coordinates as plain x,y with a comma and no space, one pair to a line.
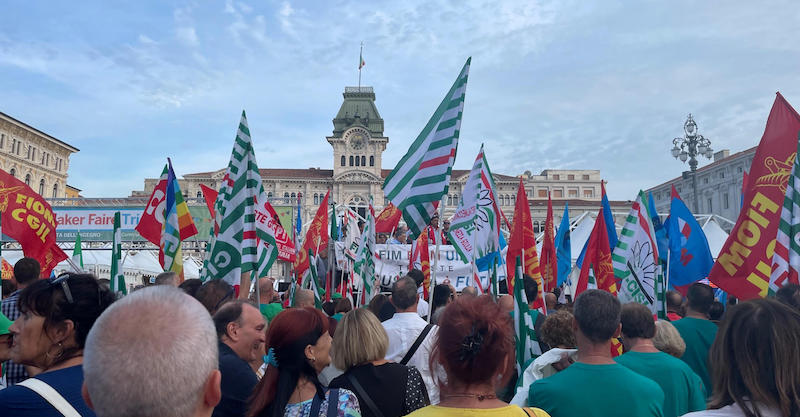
362,394
50,395
333,403
316,403
416,344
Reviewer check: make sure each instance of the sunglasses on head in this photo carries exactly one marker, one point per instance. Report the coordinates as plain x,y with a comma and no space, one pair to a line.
62,279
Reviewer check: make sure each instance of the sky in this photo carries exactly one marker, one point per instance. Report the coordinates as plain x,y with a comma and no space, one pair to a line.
565,84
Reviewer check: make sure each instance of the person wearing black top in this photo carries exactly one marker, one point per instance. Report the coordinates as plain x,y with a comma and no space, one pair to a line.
383,388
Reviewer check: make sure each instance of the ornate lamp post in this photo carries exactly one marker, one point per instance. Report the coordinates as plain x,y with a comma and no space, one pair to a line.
690,146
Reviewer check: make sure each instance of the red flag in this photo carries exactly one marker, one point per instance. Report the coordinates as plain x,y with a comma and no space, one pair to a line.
744,264
522,242
29,219
548,262
210,195
388,219
8,270
598,256
316,237
152,220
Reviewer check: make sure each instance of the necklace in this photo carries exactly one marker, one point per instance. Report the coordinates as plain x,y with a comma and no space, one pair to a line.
480,397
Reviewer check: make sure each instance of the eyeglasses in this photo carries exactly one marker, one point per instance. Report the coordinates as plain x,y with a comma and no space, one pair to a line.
62,279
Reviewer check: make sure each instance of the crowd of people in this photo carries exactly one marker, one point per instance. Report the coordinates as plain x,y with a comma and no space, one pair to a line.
70,347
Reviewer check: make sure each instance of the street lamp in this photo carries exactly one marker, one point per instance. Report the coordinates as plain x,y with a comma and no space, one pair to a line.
690,146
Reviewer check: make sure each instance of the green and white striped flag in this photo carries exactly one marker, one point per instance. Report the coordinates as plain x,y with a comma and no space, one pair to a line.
77,253
313,280
786,260
422,176
635,258
364,264
525,336
117,277
243,242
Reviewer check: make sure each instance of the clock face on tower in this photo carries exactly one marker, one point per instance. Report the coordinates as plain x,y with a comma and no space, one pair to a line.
357,138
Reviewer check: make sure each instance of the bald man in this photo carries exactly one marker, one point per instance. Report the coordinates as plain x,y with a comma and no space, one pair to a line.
550,301
269,309
506,302
469,291
304,298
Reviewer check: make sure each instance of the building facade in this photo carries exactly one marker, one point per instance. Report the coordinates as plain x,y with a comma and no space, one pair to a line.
34,157
719,186
358,142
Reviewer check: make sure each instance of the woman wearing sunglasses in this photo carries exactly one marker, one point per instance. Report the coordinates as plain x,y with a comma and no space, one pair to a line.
50,333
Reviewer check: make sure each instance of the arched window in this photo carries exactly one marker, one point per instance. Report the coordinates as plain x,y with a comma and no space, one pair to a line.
41,187
536,226
294,197
358,161
449,200
343,160
285,197
13,172
372,161
363,161
351,160
55,190
199,194
28,180
269,195
316,198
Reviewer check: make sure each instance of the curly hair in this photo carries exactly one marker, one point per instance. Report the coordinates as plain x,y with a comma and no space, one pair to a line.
557,330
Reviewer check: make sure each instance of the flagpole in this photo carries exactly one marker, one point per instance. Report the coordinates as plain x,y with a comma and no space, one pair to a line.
437,240
666,281
360,56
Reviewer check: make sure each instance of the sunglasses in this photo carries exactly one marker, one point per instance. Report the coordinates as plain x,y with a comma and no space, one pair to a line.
62,279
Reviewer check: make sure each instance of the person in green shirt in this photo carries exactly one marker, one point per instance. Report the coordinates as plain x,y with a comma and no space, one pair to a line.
595,385
683,389
266,289
698,331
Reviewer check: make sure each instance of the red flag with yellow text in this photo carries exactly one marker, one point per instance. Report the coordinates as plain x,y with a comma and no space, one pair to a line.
522,242
388,219
29,219
744,264
316,237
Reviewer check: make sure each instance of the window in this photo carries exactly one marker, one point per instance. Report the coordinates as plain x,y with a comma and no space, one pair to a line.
316,198
739,170
41,187
710,208
449,200
13,172
372,161
705,180
199,194
33,154
358,161
571,177
558,193
556,177
294,197
28,180
725,203
722,174
572,193
363,161
55,190
588,193
351,160
542,193
285,197
343,161
586,178
2,140
269,195
536,226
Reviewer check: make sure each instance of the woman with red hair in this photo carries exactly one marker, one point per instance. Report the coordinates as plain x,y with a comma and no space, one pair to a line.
475,346
299,348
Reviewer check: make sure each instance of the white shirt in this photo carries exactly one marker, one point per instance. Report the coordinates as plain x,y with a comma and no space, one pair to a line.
403,329
733,410
422,308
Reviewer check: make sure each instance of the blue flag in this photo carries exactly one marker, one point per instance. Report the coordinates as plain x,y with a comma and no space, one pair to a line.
610,228
563,248
659,230
492,258
690,258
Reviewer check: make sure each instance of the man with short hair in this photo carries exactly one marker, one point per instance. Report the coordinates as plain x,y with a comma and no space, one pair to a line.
506,302
398,237
26,272
674,305
407,331
550,302
469,291
214,293
683,389
419,278
241,332
698,331
168,278
266,303
304,298
605,388
130,369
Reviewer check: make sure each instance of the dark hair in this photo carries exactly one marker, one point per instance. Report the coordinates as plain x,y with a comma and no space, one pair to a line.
557,329
328,307
404,293
27,270
212,294
531,288
441,295
229,312
89,300
597,313
386,312
716,311
8,287
474,342
674,299
789,294
754,359
700,297
398,232
376,303
190,286
637,321
343,306
289,333
417,276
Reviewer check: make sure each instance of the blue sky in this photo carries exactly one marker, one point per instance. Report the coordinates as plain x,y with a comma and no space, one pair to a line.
564,84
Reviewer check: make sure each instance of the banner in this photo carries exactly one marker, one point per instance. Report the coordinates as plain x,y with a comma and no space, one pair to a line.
392,262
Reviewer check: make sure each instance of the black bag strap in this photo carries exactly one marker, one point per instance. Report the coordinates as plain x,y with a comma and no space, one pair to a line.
333,403
362,394
416,344
316,403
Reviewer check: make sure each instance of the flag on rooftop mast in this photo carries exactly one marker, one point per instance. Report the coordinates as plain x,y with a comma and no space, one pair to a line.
422,176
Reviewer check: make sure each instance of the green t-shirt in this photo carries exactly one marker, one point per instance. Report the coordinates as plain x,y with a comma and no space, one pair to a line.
597,391
269,311
683,389
698,334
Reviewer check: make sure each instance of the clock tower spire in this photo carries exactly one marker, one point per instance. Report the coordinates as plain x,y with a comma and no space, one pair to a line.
357,140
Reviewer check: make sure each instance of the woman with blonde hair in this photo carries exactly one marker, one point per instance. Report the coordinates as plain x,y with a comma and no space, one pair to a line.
383,388
668,340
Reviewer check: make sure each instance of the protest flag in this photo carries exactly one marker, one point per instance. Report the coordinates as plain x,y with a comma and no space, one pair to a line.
77,252
526,341
388,219
117,276
690,258
316,237
177,225
598,259
786,260
635,258
608,218
522,243
422,176
548,260
364,264
563,246
744,264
